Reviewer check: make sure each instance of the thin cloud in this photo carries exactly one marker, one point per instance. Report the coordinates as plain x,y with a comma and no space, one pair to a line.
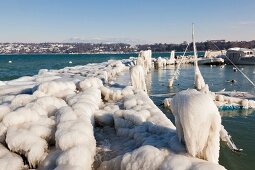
247,23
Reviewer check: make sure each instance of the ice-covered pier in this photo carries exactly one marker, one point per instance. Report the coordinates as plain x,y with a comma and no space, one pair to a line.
87,117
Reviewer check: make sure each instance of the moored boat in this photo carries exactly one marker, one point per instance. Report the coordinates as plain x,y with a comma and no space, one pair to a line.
211,61
240,56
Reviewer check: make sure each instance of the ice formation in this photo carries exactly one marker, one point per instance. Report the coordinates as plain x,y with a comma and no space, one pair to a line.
176,74
231,103
144,59
193,110
160,63
79,118
10,160
146,139
171,59
74,135
199,80
137,77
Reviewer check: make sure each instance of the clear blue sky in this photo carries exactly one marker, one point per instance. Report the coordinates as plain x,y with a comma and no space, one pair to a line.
147,20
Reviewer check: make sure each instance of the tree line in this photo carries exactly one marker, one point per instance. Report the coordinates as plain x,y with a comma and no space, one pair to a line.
201,46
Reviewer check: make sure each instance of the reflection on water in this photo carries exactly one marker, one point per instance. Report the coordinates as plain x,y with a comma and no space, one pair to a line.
233,113
239,123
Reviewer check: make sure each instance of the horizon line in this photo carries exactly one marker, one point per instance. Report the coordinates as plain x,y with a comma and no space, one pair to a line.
151,43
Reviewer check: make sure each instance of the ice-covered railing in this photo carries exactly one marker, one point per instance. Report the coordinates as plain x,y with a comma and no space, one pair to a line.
74,135
105,71
41,117
29,129
148,139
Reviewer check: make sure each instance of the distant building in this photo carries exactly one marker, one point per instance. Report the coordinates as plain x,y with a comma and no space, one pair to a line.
217,41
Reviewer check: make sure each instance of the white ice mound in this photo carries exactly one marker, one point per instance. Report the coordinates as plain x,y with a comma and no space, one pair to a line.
181,162
198,124
10,160
3,111
149,158
137,77
90,82
29,129
57,88
74,135
21,100
105,115
144,59
22,141
160,62
109,94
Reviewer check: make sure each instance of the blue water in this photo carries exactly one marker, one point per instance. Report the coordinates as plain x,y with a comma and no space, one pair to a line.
240,124
27,64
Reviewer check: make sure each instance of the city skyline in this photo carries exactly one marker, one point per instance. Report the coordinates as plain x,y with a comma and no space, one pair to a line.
135,21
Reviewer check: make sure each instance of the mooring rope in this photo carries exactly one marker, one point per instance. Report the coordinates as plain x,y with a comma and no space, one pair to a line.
179,64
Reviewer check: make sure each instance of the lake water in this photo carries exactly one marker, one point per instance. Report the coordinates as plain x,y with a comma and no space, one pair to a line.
240,124
28,65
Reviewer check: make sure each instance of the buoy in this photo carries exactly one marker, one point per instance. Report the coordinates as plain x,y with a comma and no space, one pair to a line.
70,62
235,70
9,61
233,81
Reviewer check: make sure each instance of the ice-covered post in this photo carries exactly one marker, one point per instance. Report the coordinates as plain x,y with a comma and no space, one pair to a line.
138,78
199,80
198,124
144,59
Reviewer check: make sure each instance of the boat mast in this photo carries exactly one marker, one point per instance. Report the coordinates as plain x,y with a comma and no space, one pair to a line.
199,80
194,44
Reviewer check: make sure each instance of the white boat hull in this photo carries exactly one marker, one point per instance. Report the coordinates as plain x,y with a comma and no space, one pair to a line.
241,60
211,61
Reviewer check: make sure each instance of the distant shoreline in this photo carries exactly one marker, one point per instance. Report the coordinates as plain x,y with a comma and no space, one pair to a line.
87,53
64,53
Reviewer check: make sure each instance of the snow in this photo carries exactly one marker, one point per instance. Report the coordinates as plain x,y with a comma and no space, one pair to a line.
88,117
